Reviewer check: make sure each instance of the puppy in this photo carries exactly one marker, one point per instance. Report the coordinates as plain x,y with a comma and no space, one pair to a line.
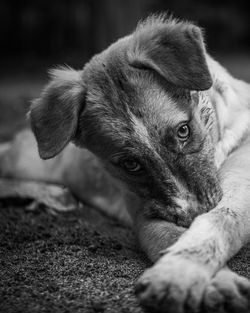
171,127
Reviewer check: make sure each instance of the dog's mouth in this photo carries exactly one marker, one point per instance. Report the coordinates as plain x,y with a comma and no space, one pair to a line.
190,206
185,207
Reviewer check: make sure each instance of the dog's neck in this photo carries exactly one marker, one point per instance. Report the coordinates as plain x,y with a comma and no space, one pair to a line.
231,101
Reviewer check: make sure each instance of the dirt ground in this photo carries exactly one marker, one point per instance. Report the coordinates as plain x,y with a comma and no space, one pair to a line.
69,262
78,261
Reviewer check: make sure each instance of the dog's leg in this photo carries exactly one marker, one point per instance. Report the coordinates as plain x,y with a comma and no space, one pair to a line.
155,235
185,275
19,159
77,169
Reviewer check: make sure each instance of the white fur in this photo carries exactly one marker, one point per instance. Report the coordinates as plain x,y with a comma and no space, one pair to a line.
140,130
231,99
66,74
185,271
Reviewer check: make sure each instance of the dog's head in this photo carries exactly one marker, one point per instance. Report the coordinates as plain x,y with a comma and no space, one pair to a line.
142,107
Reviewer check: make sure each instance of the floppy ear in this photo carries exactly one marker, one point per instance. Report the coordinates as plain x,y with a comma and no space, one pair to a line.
54,116
175,50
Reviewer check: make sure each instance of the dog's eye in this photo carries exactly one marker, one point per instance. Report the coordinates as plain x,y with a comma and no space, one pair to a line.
183,132
130,165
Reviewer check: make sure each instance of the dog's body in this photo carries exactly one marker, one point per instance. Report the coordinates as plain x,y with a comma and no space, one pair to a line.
172,126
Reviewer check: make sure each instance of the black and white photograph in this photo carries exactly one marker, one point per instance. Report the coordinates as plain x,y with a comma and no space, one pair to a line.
124,156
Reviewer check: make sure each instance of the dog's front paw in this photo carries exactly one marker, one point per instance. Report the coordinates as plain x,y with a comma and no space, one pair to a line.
227,293
173,285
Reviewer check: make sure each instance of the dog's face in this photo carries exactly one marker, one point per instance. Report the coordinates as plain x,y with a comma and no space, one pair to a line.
142,108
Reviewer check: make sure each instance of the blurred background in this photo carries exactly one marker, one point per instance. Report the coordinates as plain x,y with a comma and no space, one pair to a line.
38,34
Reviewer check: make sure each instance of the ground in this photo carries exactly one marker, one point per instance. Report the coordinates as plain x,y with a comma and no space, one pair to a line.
78,261
69,262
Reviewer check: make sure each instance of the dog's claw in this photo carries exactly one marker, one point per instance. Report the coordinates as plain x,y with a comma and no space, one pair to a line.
162,289
227,292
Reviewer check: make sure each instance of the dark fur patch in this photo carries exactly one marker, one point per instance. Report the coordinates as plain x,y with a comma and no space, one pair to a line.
54,115
173,49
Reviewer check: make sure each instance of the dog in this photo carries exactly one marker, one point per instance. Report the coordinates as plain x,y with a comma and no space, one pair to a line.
169,129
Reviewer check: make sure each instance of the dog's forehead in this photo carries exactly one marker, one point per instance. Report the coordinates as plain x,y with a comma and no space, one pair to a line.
133,98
